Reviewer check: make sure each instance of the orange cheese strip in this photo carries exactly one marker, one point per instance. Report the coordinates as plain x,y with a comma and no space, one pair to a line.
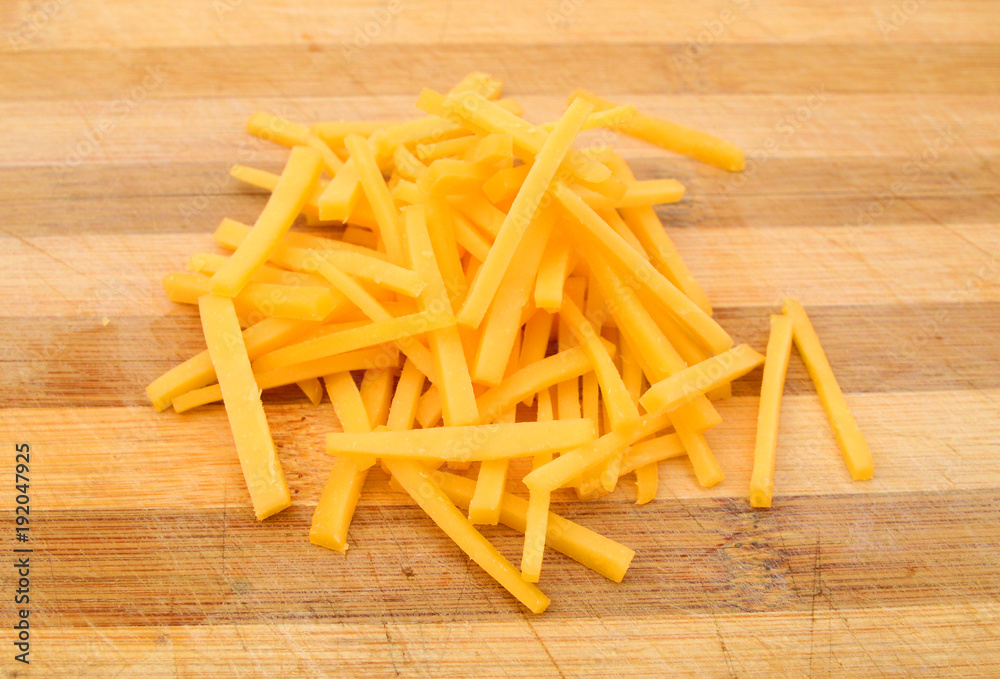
779,349
852,442
258,458
285,203
674,137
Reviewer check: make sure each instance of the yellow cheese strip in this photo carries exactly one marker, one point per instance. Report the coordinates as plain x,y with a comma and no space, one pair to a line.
535,529
680,388
611,118
651,451
378,196
484,508
852,442
406,193
312,388
598,553
572,464
230,234
779,349
449,176
441,229
303,241
420,485
521,214
285,132
492,150
505,183
654,351
407,165
336,505
481,83
298,302
470,238
674,137
480,115
358,235
593,310
403,408
651,192
208,263
496,340
378,332
616,396
352,360
552,273
646,225
545,413
469,443
480,212
411,132
376,393
568,364
454,383
429,408
706,467
333,131
535,343
597,232
268,180
198,371
258,458
646,482
341,195
445,149
615,221
568,391
285,203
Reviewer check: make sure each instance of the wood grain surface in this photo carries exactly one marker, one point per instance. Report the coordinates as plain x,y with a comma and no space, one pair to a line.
871,194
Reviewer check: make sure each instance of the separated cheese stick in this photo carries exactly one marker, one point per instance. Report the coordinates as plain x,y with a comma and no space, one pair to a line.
552,273
598,553
333,131
207,264
258,458
471,239
484,508
285,203
779,349
341,195
849,437
521,214
481,83
646,482
611,118
470,443
674,137
419,484
649,452
407,165
441,229
535,343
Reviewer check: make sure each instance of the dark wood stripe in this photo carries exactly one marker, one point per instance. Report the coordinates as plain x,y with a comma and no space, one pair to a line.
322,69
198,567
894,348
779,191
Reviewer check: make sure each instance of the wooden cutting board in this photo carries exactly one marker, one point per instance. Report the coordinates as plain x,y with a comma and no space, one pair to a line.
871,194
